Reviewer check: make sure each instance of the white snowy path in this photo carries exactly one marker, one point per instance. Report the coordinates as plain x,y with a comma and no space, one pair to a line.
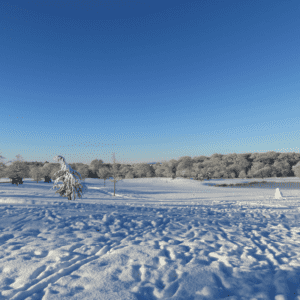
157,239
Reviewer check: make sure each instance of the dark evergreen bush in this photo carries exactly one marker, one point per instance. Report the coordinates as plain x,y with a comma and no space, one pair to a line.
17,180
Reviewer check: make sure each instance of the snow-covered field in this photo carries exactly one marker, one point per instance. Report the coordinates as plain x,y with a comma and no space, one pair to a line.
158,238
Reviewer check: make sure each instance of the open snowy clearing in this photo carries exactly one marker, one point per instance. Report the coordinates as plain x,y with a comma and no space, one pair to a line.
158,238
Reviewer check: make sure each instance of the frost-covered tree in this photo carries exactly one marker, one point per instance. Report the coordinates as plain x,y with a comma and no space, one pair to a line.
115,173
2,158
241,163
4,166
103,173
181,173
2,170
47,169
218,174
197,167
160,170
17,169
127,171
283,168
266,171
242,174
70,178
156,167
82,169
167,169
184,167
296,170
95,165
129,175
36,173
256,169
50,169
171,169
143,170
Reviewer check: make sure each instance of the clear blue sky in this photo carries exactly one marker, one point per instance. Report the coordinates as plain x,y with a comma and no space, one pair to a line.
149,80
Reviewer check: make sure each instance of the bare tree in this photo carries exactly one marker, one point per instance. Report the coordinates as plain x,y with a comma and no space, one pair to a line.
115,173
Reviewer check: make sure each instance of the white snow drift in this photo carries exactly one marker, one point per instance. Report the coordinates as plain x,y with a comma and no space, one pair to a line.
157,238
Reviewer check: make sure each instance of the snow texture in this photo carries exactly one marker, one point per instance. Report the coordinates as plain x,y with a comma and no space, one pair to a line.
157,239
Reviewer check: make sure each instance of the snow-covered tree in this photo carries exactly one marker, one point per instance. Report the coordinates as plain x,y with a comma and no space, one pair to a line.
36,173
2,158
103,173
46,169
242,174
283,168
82,169
70,178
184,166
17,169
160,170
95,165
266,171
2,170
4,166
127,171
129,175
143,170
167,169
181,173
296,170
49,169
172,165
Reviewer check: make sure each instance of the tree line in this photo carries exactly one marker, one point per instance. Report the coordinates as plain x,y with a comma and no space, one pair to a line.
246,165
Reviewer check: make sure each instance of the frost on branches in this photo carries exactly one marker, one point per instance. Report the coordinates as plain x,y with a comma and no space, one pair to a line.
70,178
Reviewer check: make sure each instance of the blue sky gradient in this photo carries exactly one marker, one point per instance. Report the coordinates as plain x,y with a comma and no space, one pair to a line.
148,80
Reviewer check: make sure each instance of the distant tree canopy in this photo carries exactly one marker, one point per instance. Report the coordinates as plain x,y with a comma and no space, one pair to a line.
17,169
246,165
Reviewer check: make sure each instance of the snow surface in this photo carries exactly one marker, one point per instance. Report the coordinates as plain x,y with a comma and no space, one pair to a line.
158,238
